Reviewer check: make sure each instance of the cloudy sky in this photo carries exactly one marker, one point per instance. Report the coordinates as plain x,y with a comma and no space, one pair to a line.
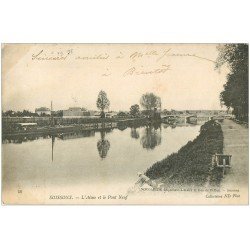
72,75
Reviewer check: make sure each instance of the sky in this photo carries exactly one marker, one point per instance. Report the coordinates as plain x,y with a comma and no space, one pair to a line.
71,75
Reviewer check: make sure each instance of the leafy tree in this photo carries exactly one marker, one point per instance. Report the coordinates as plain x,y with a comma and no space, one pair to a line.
26,113
235,93
135,110
150,101
11,113
102,102
122,114
58,113
44,115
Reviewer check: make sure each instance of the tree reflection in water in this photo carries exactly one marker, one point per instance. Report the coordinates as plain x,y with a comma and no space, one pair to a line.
103,146
134,133
151,137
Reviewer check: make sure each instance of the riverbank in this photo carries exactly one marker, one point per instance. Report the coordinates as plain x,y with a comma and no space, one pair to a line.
192,163
79,125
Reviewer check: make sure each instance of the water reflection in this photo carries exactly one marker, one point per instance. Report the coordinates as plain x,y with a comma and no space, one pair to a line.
122,127
75,135
103,145
83,159
151,137
53,143
21,139
134,133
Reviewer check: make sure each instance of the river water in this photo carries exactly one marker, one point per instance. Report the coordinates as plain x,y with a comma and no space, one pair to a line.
92,161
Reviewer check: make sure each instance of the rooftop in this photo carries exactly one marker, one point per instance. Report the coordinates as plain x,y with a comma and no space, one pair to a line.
43,109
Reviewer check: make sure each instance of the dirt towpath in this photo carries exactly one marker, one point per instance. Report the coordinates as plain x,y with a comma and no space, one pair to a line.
236,144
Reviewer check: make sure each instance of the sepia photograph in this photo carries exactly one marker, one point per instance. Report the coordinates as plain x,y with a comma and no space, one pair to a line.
162,124
124,125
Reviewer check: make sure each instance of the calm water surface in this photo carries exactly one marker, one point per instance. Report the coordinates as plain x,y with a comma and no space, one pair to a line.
91,160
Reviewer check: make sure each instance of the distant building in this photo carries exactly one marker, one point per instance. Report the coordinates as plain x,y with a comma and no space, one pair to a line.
43,110
111,114
94,113
75,112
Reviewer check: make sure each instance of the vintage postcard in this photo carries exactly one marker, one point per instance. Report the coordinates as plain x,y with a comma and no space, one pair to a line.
125,124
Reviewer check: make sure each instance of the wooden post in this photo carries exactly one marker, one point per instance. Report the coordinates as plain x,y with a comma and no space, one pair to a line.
223,168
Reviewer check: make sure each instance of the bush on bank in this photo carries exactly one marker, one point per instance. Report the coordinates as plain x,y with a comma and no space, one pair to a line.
191,164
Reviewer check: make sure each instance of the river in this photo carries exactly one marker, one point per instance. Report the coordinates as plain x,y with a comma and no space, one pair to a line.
92,161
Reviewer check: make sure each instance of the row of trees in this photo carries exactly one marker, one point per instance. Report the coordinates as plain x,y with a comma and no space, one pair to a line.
149,102
27,113
11,113
235,93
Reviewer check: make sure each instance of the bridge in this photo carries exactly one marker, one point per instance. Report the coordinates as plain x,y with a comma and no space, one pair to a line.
185,118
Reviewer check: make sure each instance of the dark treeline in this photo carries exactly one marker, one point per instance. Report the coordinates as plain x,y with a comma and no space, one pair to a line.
235,93
27,113
24,113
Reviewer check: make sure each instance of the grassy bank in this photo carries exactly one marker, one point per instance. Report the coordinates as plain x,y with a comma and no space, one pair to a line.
191,164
